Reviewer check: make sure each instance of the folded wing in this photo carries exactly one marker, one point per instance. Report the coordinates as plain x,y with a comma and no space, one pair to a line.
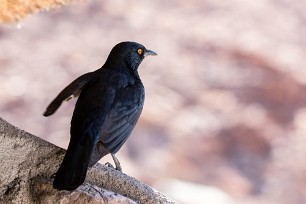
119,124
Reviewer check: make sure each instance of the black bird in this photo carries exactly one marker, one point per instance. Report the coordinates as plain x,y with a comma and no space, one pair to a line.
109,105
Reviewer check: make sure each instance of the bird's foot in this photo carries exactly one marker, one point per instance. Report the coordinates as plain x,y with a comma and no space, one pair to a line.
109,165
117,163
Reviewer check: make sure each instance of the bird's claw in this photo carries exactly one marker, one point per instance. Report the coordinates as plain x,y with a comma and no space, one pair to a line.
109,165
118,168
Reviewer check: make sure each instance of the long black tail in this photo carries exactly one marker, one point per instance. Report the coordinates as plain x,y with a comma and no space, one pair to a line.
72,171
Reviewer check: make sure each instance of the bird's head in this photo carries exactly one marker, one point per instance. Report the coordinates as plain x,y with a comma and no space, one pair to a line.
128,54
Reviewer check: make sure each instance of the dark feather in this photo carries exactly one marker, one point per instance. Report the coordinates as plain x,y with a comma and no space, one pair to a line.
120,121
72,90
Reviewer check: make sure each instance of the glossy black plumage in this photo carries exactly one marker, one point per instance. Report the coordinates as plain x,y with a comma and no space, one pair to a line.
109,105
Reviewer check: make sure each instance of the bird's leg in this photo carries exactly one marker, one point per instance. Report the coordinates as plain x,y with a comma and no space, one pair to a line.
117,163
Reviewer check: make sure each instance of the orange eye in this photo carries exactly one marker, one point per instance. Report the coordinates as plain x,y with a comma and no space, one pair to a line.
140,51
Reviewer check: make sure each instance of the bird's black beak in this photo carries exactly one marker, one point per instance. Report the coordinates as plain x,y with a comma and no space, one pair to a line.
149,52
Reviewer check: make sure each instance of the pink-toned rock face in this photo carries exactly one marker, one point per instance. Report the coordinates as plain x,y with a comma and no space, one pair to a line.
225,98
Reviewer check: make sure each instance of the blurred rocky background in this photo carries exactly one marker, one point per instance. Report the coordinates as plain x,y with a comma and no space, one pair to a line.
225,112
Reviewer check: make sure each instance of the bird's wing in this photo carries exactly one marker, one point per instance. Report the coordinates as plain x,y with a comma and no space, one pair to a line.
72,90
119,123
121,120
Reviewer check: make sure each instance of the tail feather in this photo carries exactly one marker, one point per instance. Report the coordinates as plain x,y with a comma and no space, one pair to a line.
72,171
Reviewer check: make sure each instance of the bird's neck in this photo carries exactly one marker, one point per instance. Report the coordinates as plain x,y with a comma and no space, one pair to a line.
123,68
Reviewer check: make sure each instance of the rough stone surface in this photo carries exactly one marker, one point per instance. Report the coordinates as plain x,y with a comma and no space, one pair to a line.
27,163
42,192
